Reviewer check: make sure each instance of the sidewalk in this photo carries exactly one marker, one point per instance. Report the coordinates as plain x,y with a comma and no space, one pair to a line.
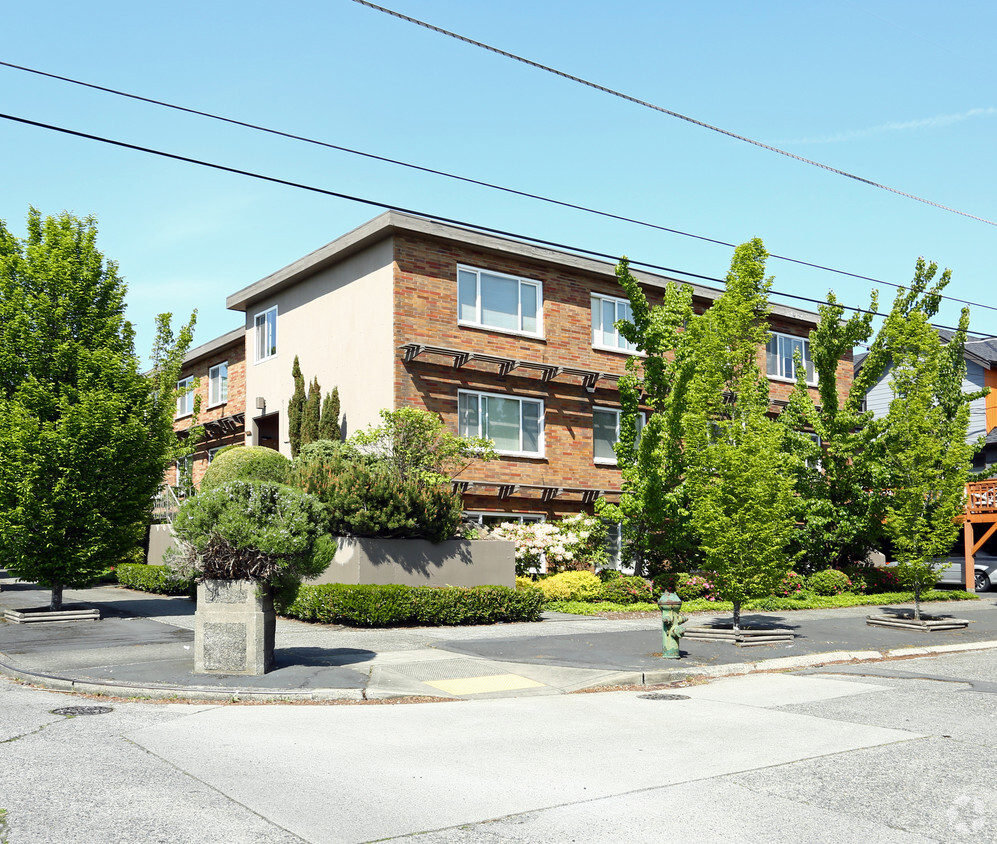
143,647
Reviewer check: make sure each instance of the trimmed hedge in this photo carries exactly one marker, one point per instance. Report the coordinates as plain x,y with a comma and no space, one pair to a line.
391,605
157,579
246,463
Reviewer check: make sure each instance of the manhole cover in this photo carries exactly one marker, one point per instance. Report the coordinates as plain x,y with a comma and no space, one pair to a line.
662,696
82,710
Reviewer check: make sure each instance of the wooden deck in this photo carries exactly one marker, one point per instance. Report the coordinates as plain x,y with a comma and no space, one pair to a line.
981,509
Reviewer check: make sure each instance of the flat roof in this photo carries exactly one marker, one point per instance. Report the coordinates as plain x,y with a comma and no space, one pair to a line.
212,346
395,222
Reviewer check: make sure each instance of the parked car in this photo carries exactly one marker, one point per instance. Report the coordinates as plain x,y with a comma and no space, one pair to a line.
953,573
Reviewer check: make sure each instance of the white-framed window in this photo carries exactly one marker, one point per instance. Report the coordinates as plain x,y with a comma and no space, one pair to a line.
491,520
514,425
184,468
218,384
504,302
614,547
779,357
185,397
212,452
266,334
606,310
606,433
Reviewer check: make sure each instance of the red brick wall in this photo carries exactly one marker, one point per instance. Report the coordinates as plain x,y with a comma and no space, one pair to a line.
426,313
235,354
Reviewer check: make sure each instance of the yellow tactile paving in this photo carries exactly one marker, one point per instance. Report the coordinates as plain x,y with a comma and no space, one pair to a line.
481,685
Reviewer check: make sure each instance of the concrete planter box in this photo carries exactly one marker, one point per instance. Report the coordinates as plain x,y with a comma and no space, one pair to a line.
234,628
417,562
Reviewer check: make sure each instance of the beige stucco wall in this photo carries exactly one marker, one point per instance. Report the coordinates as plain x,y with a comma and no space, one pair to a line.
339,324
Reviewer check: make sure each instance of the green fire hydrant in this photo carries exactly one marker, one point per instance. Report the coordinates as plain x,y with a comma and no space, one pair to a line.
672,624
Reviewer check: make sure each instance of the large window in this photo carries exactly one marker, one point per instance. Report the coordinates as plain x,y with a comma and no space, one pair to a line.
185,398
515,425
606,310
266,334
218,384
779,357
606,433
494,300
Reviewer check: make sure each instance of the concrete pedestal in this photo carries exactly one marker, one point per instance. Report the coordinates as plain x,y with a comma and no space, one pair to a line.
234,628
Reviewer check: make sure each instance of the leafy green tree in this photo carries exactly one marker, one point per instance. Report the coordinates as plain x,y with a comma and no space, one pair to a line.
85,436
654,504
927,454
740,495
329,425
417,446
296,408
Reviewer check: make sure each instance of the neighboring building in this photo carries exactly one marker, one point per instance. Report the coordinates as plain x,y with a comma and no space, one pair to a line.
219,366
499,337
981,371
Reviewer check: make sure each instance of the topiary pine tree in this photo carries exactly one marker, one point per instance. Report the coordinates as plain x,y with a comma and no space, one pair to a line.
329,425
296,408
85,436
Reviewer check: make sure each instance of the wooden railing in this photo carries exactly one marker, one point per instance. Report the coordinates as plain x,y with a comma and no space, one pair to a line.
981,498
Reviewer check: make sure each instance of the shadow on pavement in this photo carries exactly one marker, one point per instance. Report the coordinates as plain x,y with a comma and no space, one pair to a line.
286,657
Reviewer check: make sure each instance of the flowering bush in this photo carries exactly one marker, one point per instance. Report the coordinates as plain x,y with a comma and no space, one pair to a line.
791,586
575,542
626,590
691,586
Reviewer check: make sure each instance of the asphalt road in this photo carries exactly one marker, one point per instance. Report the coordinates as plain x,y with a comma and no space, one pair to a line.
898,751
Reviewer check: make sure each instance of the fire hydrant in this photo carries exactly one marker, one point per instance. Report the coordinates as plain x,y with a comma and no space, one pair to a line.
672,624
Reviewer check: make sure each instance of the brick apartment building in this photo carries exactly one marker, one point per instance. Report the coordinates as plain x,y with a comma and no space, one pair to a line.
499,337
219,367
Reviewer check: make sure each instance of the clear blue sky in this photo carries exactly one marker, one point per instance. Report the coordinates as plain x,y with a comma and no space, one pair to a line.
897,92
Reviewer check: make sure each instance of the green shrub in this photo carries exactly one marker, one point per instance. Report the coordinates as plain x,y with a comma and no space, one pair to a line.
605,575
246,463
253,530
158,579
392,605
571,586
626,590
368,498
829,582
792,584
689,587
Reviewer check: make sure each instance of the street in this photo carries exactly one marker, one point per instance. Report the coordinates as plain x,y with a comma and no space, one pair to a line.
893,751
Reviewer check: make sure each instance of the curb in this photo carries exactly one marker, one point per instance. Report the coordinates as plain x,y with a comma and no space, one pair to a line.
789,663
110,688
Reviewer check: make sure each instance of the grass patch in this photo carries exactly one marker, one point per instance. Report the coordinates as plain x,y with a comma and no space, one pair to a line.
772,604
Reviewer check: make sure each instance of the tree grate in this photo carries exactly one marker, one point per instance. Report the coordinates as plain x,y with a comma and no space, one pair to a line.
82,710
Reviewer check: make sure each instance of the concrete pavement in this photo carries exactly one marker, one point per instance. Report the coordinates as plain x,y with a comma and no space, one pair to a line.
144,647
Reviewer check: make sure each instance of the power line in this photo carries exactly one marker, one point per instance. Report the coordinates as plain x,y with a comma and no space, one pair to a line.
467,179
392,207
669,112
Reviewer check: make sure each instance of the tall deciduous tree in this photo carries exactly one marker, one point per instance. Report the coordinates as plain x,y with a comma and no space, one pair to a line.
927,454
85,436
296,408
740,494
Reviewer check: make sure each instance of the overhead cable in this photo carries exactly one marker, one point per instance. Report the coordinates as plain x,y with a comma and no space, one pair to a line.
669,112
400,209
467,179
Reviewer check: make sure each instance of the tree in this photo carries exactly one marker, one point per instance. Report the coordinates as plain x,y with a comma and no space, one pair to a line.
312,414
417,446
740,495
85,436
296,408
329,425
927,454
654,507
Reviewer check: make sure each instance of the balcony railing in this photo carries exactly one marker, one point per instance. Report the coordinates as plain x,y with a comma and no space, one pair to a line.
981,498
165,505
